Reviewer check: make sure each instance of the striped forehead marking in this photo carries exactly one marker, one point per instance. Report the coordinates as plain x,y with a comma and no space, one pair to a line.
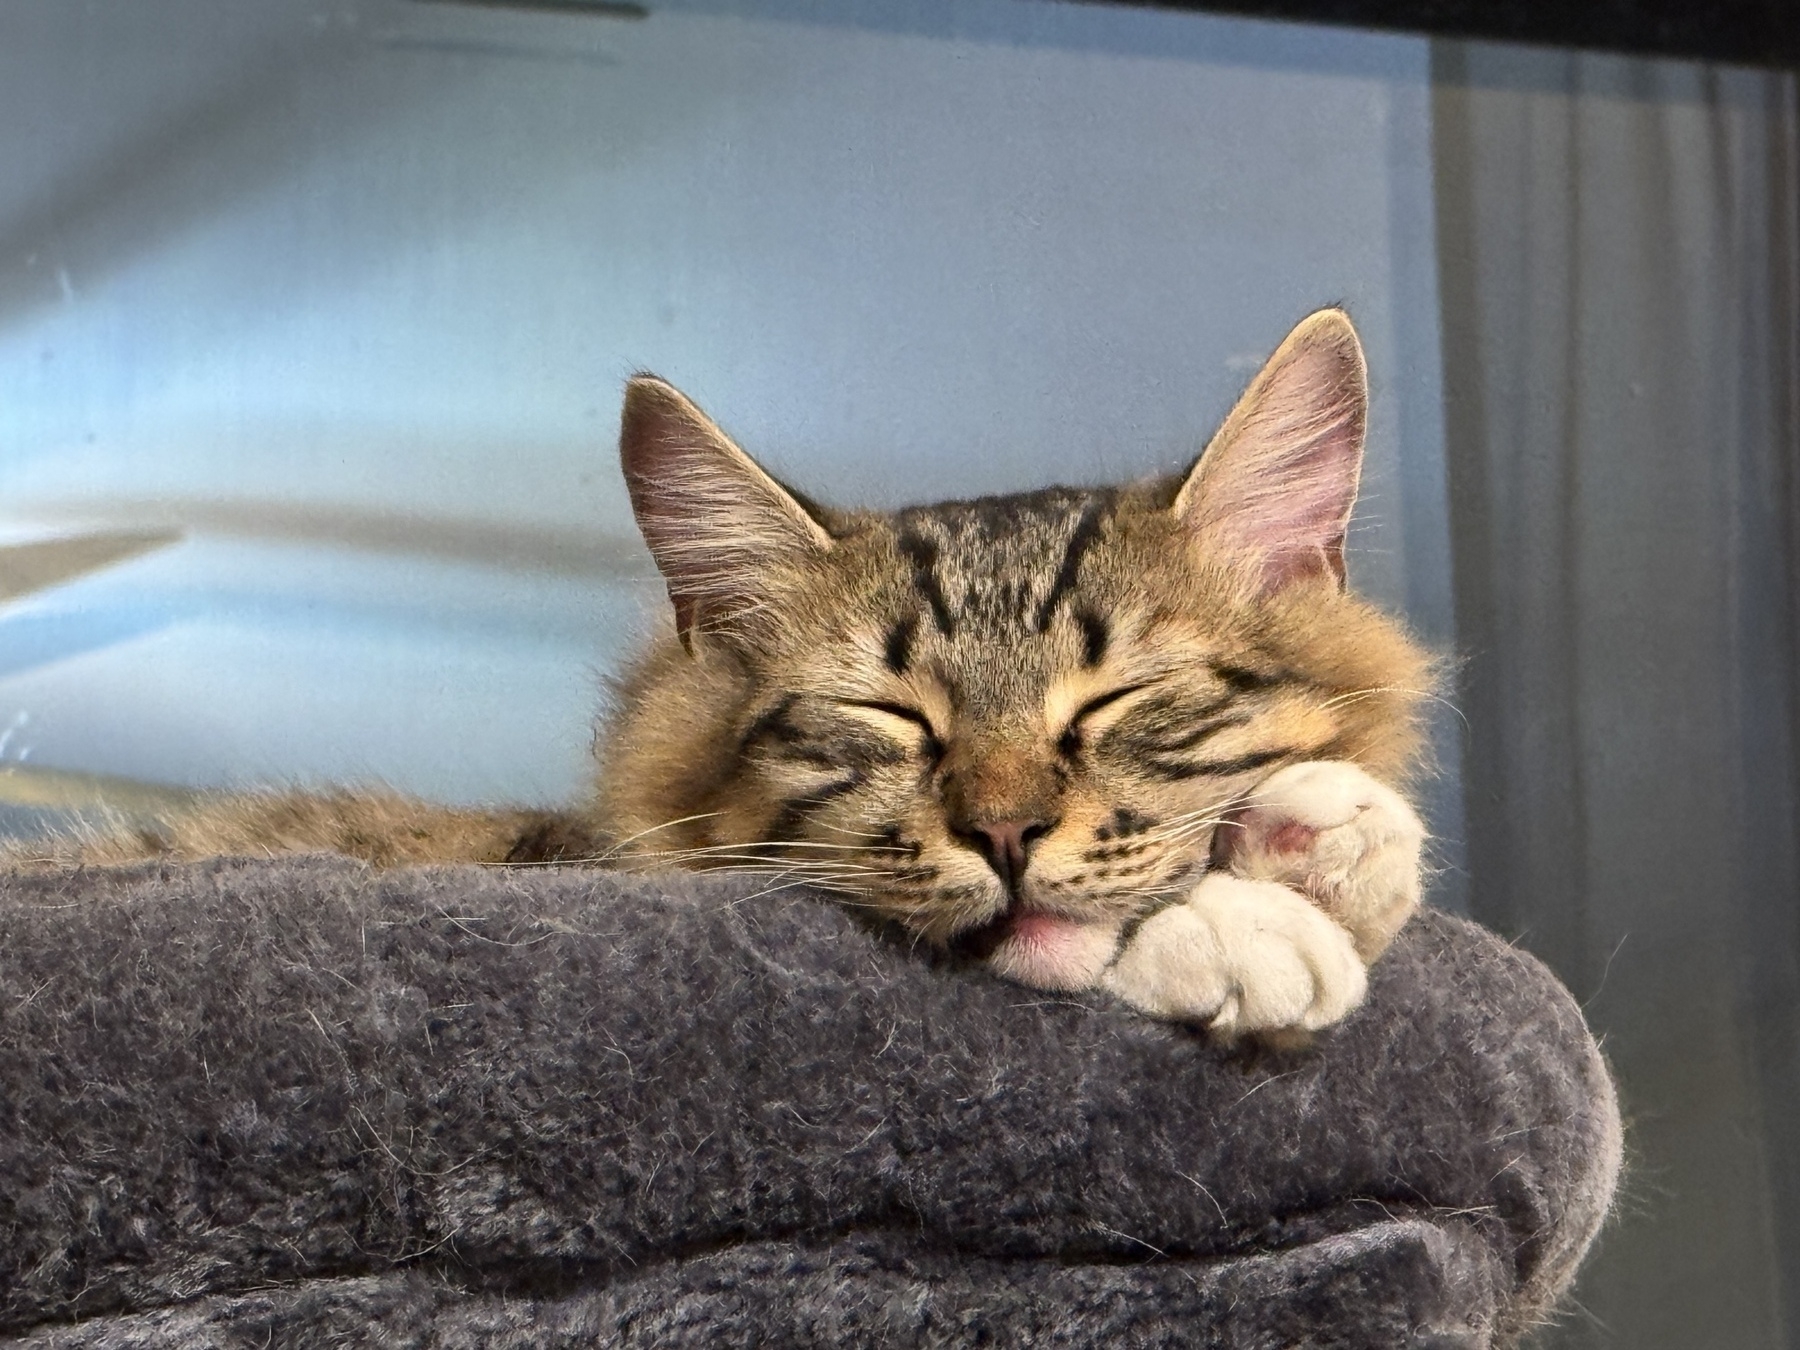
1000,562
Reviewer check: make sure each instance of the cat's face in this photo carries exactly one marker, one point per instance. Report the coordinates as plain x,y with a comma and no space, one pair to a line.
1037,704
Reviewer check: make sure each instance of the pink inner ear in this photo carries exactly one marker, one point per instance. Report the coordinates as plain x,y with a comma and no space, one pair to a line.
714,520
1277,486
1298,530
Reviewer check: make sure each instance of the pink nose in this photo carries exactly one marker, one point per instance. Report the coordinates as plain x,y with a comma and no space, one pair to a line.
1006,844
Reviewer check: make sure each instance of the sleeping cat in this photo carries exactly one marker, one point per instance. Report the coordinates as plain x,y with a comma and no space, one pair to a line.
1137,738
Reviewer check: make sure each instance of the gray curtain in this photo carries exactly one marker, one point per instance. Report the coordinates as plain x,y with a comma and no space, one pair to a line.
1618,258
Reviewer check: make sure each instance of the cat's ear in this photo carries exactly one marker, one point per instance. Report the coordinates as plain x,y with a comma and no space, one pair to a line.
1275,486
716,523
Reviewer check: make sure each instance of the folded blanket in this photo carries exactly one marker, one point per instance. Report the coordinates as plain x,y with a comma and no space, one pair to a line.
299,1103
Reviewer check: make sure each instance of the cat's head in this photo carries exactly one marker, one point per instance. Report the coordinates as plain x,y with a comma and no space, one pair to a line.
966,712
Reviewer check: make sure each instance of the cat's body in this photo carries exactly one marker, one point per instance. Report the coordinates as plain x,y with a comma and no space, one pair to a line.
1012,726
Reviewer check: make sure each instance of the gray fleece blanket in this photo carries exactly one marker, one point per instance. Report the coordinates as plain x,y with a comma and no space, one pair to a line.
301,1104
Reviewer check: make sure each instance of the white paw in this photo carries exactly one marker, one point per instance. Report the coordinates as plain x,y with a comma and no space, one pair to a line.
1330,831
1241,956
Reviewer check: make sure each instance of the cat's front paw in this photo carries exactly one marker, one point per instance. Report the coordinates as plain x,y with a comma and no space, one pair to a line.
1241,956
1349,843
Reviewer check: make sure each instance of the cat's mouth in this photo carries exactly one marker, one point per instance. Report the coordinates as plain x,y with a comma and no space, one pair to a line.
981,943
1027,923
1042,949
1032,923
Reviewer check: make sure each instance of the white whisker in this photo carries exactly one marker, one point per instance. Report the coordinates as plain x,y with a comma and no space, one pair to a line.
1356,694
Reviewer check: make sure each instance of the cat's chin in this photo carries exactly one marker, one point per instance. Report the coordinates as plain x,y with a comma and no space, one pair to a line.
1047,951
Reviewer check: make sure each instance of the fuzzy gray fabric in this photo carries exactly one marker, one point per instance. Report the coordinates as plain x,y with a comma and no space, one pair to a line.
300,1104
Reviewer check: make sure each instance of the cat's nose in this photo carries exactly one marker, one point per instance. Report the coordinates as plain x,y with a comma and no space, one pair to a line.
1006,844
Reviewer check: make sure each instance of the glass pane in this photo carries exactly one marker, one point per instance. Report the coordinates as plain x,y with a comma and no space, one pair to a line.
347,294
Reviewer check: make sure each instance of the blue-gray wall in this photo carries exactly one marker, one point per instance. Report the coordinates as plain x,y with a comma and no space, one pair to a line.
348,290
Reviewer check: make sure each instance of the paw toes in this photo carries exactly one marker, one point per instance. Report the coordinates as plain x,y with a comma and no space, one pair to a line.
1348,843
1173,967
1241,956
1229,1020
1341,981
1320,793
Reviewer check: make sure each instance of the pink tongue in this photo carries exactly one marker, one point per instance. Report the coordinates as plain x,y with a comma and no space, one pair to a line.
1042,930
1048,952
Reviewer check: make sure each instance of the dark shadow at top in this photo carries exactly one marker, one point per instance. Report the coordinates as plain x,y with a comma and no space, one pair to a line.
1112,30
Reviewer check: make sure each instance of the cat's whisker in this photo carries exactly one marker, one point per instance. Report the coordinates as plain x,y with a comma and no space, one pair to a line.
751,849
1356,695
666,825
618,846
751,865
651,864
737,862
782,886
576,860
1182,828
857,834
754,864
1197,820
707,850
1205,812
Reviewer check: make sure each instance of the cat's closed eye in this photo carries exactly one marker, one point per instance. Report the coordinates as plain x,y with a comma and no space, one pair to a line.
930,744
1074,734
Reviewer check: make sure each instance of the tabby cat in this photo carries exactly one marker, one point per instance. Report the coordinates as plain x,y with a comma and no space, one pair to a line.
1138,738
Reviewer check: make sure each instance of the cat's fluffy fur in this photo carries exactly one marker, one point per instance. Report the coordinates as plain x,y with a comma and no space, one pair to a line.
1014,724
